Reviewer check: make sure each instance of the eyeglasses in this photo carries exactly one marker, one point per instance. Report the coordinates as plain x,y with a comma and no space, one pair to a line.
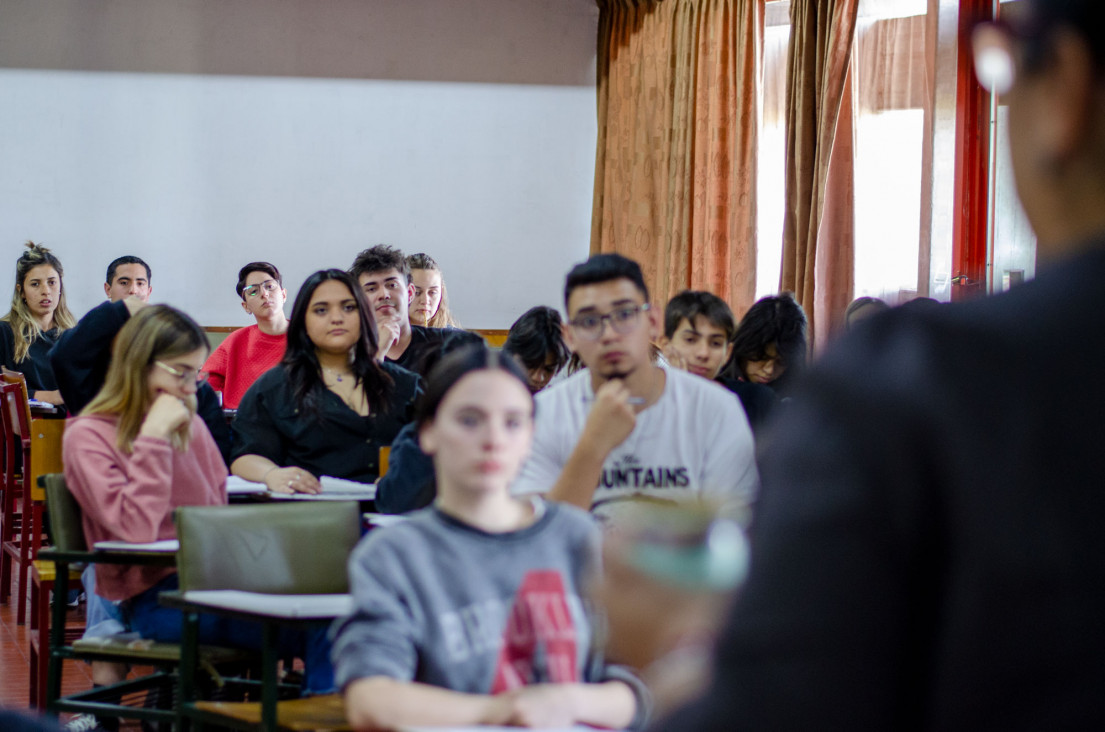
185,375
255,290
623,320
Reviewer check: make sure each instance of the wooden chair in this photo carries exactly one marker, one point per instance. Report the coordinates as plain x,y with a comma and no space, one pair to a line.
11,503
271,554
123,700
22,548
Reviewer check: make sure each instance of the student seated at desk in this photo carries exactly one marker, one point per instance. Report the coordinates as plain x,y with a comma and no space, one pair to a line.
698,337
249,352
471,611
329,406
138,451
38,315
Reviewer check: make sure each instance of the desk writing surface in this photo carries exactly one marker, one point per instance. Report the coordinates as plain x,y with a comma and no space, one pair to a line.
275,606
165,546
491,728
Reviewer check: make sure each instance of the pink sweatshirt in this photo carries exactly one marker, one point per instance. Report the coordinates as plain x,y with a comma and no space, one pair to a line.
132,497
240,359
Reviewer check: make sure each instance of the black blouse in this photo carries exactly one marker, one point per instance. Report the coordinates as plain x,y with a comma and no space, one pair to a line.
36,366
337,442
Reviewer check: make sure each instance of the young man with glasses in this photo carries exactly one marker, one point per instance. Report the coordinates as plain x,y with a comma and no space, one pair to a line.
624,427
929,551
249,352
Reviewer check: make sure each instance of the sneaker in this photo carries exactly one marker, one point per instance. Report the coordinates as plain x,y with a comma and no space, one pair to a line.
83,723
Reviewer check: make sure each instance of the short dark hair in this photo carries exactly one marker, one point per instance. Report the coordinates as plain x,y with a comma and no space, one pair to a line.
128,259
380,258
604,268
690,304
266,267
775,319
535,335
454,367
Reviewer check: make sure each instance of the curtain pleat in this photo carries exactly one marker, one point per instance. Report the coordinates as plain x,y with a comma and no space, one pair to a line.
818,250
675,172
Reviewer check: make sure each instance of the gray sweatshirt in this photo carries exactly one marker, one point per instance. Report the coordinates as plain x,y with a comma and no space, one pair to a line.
443,603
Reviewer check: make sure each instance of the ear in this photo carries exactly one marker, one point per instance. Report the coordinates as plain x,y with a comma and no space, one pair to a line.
107,290
245,307
410,292
655,332
569,337
426,439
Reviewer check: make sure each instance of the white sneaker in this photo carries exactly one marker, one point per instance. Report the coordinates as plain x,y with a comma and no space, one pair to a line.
82,723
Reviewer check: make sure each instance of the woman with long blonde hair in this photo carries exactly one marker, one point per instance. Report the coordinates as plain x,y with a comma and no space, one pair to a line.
136,453
37,317
430,306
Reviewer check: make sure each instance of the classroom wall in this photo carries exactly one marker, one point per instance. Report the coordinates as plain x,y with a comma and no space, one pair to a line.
203,134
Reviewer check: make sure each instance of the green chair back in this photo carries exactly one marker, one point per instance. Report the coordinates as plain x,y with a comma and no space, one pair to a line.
294,548
65,515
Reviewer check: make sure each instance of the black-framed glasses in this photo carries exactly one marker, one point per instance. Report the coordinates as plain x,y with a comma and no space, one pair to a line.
269,286
184,374
623,320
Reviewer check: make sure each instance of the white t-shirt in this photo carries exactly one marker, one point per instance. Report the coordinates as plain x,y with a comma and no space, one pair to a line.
694,442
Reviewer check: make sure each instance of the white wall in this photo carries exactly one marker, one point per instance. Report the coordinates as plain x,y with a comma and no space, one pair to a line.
204,134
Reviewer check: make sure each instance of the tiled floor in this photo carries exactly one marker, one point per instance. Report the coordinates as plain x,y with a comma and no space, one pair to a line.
15,664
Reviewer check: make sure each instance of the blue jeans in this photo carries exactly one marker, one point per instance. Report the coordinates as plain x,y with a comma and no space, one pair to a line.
152,620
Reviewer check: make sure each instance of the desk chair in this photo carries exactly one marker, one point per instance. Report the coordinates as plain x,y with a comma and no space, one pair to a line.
12,505
22,548
123,700
274,552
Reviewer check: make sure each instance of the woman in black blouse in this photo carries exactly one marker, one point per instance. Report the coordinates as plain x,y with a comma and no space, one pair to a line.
329,406
38,315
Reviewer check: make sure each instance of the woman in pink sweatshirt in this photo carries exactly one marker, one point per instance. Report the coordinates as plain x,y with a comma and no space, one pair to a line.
138,450
135,453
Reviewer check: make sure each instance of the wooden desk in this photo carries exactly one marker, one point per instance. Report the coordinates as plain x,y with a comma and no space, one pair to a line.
46,435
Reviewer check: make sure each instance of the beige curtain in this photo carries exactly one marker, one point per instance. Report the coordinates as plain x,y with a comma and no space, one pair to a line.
819,229
675,172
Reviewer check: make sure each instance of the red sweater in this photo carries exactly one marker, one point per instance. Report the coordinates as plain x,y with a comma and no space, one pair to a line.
240,359
131,497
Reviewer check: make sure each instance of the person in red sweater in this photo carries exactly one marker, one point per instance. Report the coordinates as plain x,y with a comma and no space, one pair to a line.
249,352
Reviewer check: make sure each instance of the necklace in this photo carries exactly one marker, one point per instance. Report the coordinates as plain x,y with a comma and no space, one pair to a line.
339,377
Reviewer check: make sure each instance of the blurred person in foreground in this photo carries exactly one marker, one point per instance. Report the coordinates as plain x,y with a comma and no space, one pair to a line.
927,549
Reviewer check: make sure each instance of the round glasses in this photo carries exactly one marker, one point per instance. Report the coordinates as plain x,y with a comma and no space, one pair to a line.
184,374
623,320
269,286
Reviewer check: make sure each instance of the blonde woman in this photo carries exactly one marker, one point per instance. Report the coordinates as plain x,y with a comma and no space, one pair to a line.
38,315
136,453
430,306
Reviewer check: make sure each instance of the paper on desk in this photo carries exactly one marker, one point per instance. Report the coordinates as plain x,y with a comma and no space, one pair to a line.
236,485
278,606
168,546
489,728
333,489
